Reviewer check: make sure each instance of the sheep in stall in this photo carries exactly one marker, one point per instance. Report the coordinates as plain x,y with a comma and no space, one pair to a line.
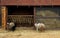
11,26
40,26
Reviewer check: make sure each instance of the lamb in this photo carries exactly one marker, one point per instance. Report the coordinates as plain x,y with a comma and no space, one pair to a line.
40,26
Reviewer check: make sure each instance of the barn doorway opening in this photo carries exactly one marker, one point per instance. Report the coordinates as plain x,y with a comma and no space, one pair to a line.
21,15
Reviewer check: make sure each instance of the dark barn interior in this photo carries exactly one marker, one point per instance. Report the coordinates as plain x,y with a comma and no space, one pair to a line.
21,15
20,10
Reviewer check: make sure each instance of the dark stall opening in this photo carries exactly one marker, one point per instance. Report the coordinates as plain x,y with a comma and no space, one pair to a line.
21,15
20,10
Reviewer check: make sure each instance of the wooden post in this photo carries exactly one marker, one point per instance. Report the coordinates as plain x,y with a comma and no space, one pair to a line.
4,16
34,14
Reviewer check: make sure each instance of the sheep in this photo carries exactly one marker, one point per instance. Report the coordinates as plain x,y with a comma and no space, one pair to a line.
40,26
11,26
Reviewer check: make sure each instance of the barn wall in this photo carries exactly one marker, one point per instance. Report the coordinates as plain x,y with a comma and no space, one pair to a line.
30,2
50,16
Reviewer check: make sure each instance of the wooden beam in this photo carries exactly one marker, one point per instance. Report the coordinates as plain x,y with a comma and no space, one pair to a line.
4,16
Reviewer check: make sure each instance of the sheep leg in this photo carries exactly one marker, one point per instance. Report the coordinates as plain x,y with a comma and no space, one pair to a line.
37,29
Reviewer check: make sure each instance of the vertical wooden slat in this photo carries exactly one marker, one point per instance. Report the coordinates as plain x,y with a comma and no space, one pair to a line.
34,14
4,16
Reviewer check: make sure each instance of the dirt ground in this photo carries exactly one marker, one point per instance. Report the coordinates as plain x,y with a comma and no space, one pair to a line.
25,33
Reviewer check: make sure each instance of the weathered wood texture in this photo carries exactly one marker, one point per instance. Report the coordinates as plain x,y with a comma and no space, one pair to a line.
4,16
22,20
30,2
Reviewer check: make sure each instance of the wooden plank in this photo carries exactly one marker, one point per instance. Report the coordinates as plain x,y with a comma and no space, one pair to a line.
47,17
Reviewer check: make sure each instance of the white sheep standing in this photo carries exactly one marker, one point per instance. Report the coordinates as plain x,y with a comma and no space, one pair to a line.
40,26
